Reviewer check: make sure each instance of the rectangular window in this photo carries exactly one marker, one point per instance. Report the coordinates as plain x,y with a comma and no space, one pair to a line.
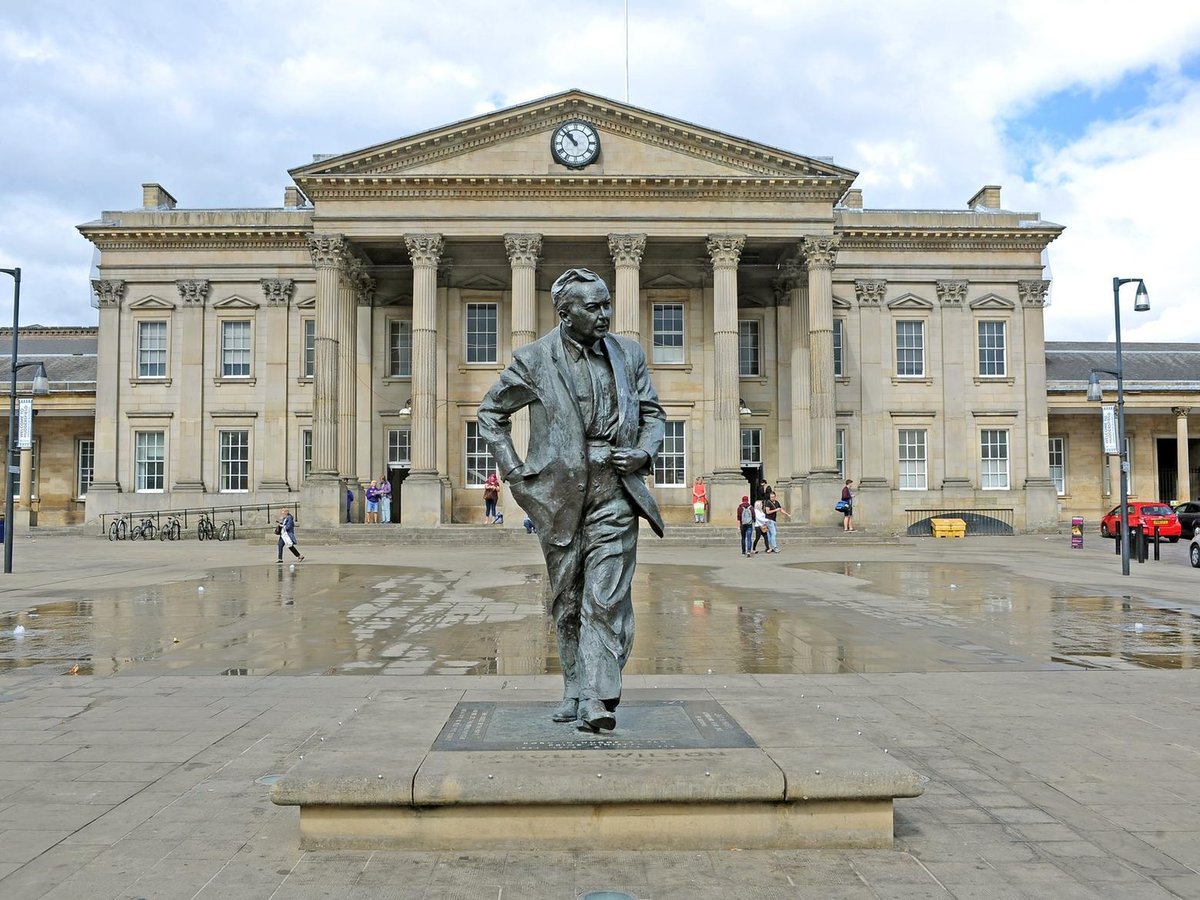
481,333
152,349
85,460
749,348
912,457
400,348
669,464
839,451
668,333
235,348
310,347
839,329
305,453
992,363
234,474
399,448
751,447
910,349
993,452
148,461
479,458
1058,464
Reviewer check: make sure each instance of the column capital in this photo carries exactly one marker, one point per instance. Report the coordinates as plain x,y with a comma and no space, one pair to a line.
1033,293
870,291
108,291
791,276
192,291
725,249
820,251
952,292
627,249
523,249
328,250
425,249
278,291
1181,412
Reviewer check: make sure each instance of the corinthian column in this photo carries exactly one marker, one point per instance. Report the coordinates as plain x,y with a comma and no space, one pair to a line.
188,326
347,408
425,250
1183,482
328,256
523,250
105,483
725,250
626,250
819,255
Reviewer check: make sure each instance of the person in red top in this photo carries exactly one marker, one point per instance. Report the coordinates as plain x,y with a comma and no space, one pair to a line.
848,512
699,500
745,519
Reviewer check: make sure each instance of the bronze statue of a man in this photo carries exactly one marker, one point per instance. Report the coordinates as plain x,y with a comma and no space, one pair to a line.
595,425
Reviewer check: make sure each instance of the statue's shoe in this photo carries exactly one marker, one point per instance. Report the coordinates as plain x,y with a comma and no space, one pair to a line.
594,717
568,711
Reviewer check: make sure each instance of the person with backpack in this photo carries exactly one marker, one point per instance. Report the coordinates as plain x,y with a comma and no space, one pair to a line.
745,519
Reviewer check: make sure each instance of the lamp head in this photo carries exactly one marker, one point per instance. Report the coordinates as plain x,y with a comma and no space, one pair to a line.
1141,301
1094,393
743,409
406,410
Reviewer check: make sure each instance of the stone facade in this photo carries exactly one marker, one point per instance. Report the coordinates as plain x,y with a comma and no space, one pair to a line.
269,354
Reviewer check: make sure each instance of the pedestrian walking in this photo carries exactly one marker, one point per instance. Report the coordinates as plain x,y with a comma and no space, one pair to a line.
285,528
760,527
772,506
847,505
745,520
385,498
699,500
491,494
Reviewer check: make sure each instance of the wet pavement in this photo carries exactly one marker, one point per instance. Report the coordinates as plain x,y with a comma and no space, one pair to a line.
817,617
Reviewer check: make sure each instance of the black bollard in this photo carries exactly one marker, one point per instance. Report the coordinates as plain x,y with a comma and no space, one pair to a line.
1156,542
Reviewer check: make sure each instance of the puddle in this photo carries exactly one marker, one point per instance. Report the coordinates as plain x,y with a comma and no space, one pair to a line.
817,618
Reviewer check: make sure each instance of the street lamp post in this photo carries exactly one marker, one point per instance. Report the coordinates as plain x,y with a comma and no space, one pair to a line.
41,387
1141,303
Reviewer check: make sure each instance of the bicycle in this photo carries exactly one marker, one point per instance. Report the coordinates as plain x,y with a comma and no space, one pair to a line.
227,531
116,531
172,530
205,530
145,531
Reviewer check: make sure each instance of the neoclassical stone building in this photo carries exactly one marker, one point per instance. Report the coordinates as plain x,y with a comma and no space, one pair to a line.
267,354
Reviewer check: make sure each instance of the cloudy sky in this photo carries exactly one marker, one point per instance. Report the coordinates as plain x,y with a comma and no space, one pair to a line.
1088,112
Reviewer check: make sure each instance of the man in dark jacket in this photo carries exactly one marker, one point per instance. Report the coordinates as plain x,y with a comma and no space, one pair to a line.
595,425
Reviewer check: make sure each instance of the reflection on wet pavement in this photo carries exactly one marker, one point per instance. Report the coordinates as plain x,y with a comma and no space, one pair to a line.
819,618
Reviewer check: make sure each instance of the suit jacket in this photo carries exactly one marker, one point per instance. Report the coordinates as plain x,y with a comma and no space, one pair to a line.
552,484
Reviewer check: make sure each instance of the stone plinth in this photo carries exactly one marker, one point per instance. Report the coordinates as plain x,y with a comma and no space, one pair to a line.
423,773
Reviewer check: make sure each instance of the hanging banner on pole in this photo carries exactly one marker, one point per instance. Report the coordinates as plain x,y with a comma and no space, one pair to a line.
1108,428
24,423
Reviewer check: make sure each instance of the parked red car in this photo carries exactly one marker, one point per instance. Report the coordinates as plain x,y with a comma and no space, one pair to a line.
1147,514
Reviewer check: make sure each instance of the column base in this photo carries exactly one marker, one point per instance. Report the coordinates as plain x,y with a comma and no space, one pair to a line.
725,492
1041,503
424,500
824,490
795,500
322,501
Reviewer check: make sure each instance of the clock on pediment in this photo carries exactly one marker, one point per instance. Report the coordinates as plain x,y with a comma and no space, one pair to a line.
575,143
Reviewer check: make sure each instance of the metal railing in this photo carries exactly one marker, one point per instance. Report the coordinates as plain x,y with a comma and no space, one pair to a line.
979,521
243,515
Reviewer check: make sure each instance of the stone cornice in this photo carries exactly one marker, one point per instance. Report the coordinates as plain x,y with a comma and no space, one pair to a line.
967,239
232,238
537,116
523,249
627,249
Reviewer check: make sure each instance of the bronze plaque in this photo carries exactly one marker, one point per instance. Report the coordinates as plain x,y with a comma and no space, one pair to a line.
641,725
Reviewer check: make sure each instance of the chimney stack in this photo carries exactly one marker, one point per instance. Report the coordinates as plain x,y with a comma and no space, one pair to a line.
852,199
155,196
293,198
987,197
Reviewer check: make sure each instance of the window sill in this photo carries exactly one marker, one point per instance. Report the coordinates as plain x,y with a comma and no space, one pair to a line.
398,379
140,382
911,379
464,368
304,379
994,379
841,379
760,379
235,379
673,367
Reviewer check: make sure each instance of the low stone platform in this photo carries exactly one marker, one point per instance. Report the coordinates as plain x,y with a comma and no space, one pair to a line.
683,770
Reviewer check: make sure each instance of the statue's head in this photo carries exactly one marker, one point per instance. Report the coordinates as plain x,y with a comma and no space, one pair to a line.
582,301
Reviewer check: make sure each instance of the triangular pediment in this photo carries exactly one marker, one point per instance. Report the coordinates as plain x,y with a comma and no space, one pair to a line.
667,282
909,301
516,142
235,302
839,303
151,302
307,303
483,283
991,301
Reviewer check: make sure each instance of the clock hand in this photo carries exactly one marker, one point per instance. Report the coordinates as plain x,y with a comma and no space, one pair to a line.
571,136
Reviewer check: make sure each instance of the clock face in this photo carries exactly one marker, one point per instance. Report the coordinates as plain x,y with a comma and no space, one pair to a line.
575,144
